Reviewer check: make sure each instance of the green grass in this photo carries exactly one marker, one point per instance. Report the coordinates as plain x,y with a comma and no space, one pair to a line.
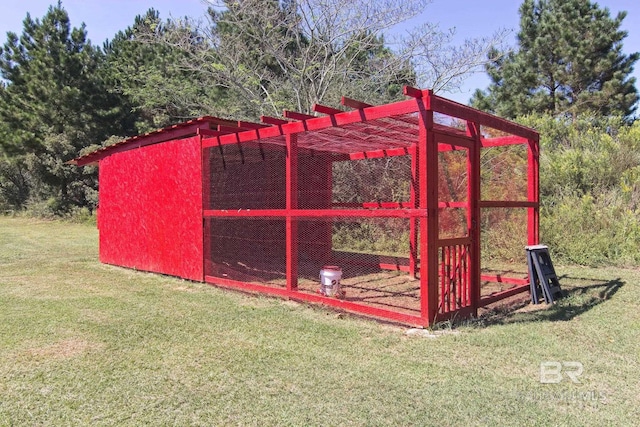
84,343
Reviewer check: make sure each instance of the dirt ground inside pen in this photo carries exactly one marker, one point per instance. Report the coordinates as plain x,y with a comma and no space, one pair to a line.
369,285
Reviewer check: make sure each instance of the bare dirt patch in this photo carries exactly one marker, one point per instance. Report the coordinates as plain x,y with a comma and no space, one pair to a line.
65,349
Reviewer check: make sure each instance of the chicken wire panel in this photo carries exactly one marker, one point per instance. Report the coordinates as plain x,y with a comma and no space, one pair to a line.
504,173
452,223
246,250
503,237
314,180
452,176
371,182
244,176
373,255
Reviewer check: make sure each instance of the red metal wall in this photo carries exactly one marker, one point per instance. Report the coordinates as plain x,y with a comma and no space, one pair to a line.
150,211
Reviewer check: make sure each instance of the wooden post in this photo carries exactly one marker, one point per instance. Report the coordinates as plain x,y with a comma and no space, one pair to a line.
291,205
473,214
413,222
206,204
427,151
533,192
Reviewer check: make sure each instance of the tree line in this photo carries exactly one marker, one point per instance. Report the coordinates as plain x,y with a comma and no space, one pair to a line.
61,96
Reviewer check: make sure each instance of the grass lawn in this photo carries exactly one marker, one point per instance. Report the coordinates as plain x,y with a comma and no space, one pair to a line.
83,343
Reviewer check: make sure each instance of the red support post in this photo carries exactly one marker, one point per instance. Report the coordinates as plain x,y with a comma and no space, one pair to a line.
428,203
533,192
206,204
413,222
473,214
291,205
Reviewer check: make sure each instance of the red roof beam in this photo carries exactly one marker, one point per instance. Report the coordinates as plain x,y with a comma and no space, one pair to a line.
355,104
323,109
412,92
297,116
273,120
463,112
347,117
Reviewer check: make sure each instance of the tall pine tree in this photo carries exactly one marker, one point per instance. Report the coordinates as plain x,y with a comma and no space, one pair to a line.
569,60
54,104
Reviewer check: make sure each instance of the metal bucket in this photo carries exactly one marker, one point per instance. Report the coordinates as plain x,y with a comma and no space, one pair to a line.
330,276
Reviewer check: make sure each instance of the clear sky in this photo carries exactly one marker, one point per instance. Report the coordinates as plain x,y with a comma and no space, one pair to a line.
470,18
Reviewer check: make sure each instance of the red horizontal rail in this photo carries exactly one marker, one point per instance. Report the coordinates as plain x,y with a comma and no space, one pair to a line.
490,299
504,279
507,204
315,213
502,141
374,205
317,298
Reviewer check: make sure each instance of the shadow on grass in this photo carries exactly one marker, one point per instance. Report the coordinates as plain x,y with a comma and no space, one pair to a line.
579,296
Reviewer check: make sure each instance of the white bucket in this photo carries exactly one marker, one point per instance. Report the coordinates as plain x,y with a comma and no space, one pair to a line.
330,276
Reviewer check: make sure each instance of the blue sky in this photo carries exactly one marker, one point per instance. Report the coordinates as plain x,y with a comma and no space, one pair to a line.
470,18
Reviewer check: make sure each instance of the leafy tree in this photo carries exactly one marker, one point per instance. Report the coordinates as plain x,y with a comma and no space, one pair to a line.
53,104
569,60
157,89
271,55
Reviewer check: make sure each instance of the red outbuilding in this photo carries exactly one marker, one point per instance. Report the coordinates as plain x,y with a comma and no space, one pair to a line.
398,210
